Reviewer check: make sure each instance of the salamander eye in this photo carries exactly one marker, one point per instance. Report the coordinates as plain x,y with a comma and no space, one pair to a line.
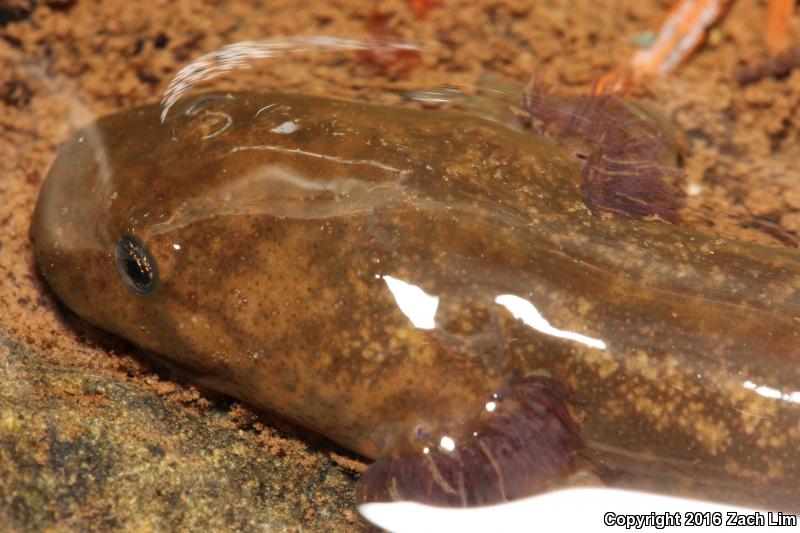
135,266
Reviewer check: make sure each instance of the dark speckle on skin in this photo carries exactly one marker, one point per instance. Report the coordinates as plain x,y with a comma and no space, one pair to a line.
446,293
156,450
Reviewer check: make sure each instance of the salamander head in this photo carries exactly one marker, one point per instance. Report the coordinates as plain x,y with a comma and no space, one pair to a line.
160,233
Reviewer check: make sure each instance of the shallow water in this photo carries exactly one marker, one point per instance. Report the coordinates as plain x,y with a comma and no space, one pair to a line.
765,386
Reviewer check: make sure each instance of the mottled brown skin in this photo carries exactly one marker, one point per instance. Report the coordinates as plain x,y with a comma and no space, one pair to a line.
277,294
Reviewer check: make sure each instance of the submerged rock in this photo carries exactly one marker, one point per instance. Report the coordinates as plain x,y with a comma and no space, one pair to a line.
82,450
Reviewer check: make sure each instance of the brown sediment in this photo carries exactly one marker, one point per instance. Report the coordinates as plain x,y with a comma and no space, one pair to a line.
779,65
65,64
389,60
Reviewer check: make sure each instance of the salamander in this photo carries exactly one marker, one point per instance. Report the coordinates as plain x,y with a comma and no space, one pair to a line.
485,308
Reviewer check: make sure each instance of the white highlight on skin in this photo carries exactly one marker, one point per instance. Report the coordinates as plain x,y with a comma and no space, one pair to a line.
523,310
198,107
271,108
416,304
287,127
769,392
551,511
447,443
228,121
241,55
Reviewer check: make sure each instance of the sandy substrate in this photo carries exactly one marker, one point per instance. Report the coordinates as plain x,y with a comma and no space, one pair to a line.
62,63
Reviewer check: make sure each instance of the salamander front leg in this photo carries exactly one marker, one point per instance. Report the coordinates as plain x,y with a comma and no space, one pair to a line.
525,442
